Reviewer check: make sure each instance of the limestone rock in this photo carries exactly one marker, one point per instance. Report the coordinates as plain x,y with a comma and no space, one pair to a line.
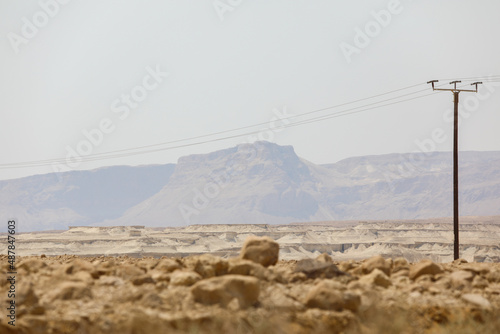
424,267
376,262
494,276
461,279
184,278
376,277
78,265
400,272
167,265
143,279
208,265
477,300
400,262
128,271
147,264
326,296
278,298
459,262
325,258
247,268
262,250
222,290
476,268
314,269
347,265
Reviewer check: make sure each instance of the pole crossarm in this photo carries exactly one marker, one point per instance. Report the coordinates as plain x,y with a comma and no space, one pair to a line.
456,92
455,87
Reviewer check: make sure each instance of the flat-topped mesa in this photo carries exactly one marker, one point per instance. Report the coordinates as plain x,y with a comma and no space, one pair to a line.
105,228
133,230
223,228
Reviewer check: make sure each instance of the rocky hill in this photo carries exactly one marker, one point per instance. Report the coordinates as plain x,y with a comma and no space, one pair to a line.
264,183
58,200
260,183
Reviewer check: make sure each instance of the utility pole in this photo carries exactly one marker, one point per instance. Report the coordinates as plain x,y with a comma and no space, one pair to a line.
456,253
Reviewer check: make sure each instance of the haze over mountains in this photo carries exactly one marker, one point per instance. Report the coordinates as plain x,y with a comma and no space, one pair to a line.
260,183
56,201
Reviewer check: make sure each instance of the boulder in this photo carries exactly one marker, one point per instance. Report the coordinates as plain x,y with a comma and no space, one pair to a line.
459,262
207,265
347,265
184,278
400,262
224,289
424,267
143,279
376,262
326,295
376,277
315,269
477,268
277,297
167,265
246,268
262,250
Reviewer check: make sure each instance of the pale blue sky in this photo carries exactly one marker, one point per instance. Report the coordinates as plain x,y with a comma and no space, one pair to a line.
229,73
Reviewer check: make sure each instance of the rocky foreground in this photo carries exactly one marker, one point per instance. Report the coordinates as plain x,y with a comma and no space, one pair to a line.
254,293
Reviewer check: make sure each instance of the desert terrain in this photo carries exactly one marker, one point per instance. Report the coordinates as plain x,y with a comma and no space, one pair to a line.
253,292
342,240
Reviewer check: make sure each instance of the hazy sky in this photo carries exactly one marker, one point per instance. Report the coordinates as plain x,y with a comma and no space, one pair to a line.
67,67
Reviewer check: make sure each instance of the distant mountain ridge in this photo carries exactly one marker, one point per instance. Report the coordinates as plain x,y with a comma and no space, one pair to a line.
58,200
259,183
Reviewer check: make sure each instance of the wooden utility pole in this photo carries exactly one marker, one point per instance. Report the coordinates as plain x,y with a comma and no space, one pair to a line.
456,252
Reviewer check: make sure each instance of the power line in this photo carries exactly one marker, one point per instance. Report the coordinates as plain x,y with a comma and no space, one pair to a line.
55,160
136,150
107,155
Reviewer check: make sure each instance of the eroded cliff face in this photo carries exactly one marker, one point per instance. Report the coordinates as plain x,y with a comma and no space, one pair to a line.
343,240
